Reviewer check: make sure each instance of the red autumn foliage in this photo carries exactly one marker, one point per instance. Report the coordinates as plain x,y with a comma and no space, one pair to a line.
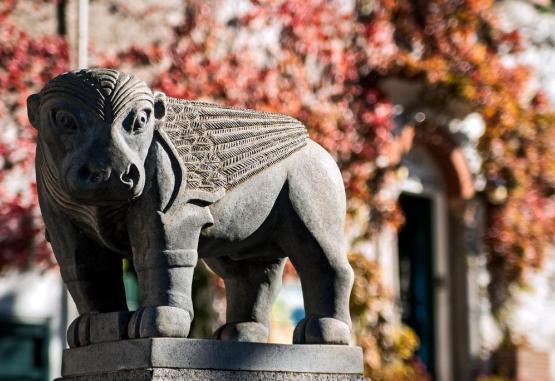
25,64
324,63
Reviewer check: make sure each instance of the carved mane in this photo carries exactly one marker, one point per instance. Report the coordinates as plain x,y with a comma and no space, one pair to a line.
224,146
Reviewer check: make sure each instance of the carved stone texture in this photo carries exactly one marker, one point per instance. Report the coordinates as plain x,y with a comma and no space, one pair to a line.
212,357
223,146
212,375
125,172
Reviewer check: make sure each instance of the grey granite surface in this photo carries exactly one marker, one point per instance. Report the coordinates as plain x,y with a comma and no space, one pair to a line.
211,375
187,354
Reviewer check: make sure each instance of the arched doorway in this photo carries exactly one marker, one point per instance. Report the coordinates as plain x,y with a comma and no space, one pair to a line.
437,254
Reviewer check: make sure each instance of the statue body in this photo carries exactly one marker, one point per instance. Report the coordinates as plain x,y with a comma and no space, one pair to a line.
123,172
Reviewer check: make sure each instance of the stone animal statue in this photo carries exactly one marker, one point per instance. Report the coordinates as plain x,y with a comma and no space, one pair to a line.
124,172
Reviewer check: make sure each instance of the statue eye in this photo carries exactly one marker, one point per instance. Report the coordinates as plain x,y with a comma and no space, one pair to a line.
64,120
141,121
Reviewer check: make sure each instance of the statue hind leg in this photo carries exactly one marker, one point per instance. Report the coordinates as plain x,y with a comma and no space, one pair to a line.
326,279
251,288
314,241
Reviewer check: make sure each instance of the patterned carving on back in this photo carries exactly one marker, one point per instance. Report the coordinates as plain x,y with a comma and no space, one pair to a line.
223,146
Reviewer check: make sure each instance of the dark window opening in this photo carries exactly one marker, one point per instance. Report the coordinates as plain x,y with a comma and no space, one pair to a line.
23,351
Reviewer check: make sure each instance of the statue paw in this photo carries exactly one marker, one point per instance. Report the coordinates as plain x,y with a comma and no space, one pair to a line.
159,321
248,331
322,330
78,333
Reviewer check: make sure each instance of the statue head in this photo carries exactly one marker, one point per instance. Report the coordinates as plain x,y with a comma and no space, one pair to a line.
95,128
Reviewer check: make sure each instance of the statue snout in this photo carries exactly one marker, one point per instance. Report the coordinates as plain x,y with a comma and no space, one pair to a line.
97,183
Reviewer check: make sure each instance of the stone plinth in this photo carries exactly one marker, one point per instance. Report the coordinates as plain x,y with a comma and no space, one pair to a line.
164,359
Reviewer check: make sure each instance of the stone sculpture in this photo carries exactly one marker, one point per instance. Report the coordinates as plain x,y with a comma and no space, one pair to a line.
123,172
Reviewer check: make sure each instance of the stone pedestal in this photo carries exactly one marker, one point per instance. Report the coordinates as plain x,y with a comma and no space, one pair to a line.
164,359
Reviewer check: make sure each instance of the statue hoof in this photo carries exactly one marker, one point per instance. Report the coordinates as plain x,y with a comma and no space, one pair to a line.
79,331
249,331
314,330
159,321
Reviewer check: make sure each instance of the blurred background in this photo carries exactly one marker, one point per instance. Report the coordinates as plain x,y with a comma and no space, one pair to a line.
439,113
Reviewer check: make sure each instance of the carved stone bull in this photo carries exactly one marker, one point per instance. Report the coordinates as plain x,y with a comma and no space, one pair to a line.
124,172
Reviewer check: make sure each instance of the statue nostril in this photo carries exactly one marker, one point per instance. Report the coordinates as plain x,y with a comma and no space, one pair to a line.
131,175
92,176
84,172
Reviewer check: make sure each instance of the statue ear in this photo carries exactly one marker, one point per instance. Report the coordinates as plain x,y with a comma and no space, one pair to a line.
33,109
159,105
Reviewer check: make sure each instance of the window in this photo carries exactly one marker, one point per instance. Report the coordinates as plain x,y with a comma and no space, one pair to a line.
23,351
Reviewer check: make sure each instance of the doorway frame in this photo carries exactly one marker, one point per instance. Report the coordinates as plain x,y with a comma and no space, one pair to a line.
441,275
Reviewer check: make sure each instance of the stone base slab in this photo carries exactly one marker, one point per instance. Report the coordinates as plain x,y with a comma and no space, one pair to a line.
164,359
211,375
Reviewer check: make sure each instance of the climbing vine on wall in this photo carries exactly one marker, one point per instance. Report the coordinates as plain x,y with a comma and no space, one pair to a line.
322,61
25,63
323,64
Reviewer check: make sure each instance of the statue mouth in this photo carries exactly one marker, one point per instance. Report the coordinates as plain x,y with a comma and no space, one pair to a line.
107,195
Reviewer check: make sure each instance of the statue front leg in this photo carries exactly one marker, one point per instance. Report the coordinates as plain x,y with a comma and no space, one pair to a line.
166,306
165,255
91,272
